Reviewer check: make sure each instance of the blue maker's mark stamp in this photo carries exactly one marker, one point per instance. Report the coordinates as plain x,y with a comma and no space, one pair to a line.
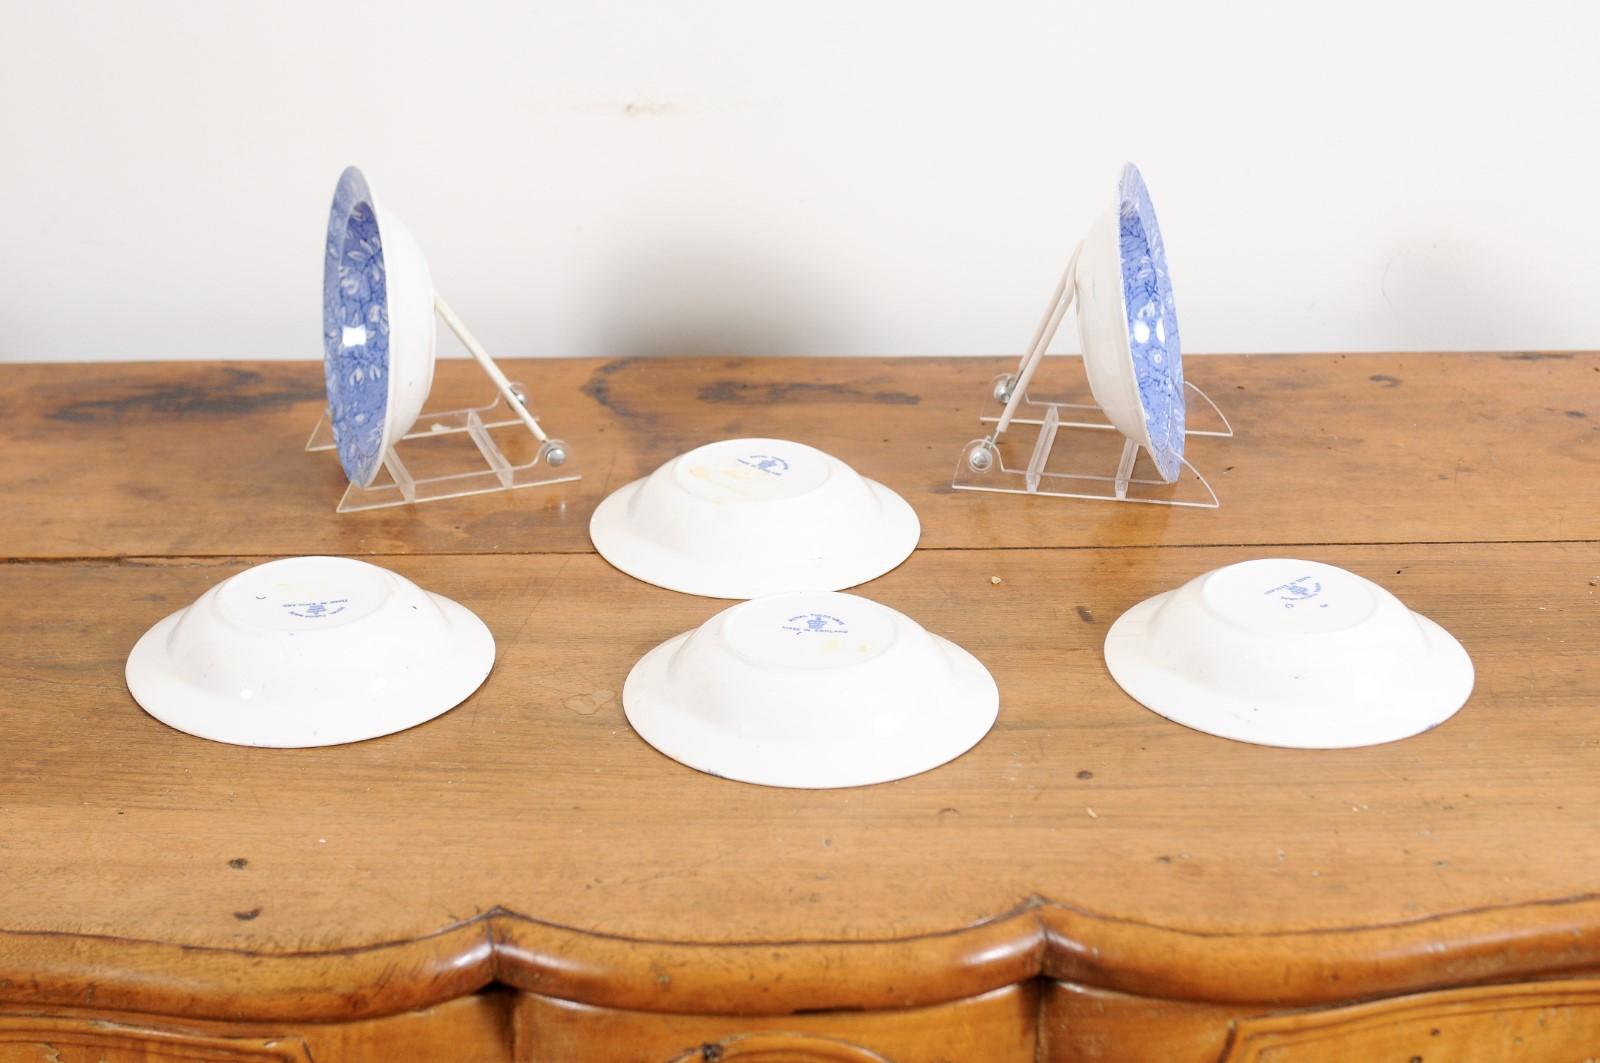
317,610
816,624
766,463
1297,592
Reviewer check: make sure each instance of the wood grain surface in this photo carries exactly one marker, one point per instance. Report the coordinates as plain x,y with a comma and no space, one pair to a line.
1158,859
529,838
176,458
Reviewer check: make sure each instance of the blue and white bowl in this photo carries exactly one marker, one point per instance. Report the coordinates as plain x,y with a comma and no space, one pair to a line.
744,518
1292,653
811,690
378,332
1128,326
309,651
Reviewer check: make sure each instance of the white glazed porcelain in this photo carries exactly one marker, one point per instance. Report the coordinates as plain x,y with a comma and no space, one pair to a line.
380,339
414,330
811,690
743,518
1128,325
1291,653
309,651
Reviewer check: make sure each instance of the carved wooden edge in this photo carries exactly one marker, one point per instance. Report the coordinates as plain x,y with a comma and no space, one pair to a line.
1037,939
236,985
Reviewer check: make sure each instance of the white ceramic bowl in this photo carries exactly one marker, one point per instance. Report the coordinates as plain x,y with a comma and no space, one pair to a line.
1289,653
744,518
812,690
378,331
309,651
1128,325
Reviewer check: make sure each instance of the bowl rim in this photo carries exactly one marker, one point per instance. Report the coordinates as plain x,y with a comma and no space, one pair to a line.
1166,448
352,191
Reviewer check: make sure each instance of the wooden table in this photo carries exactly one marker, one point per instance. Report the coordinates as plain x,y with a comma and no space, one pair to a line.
524,878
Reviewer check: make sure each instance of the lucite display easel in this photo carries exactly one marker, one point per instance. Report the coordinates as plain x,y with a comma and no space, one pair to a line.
982,465
551,462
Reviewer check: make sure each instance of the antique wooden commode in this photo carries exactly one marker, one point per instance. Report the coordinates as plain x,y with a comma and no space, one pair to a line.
524,878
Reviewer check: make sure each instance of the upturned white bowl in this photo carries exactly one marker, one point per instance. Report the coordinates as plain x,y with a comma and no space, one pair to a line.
1292,653
309,651
1128,325
810,690
380,339
743,518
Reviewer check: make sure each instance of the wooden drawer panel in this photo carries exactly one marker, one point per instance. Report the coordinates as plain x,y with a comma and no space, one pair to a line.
475,1028
997,1027
1541,1021
1078,1024
55,1039
1536,1022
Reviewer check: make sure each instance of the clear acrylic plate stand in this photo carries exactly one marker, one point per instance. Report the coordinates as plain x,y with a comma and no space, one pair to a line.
1120,476
1123,476
433,446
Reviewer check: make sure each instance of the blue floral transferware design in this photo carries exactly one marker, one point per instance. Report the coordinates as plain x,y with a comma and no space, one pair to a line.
1152,323
355,329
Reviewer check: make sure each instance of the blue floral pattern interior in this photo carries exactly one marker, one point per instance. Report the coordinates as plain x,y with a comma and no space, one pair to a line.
355,329
1152,323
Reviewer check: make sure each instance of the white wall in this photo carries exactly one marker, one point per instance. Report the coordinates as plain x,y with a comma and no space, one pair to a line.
699,176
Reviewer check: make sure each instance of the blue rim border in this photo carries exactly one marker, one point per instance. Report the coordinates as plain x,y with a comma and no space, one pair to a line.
355,294
1147,301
